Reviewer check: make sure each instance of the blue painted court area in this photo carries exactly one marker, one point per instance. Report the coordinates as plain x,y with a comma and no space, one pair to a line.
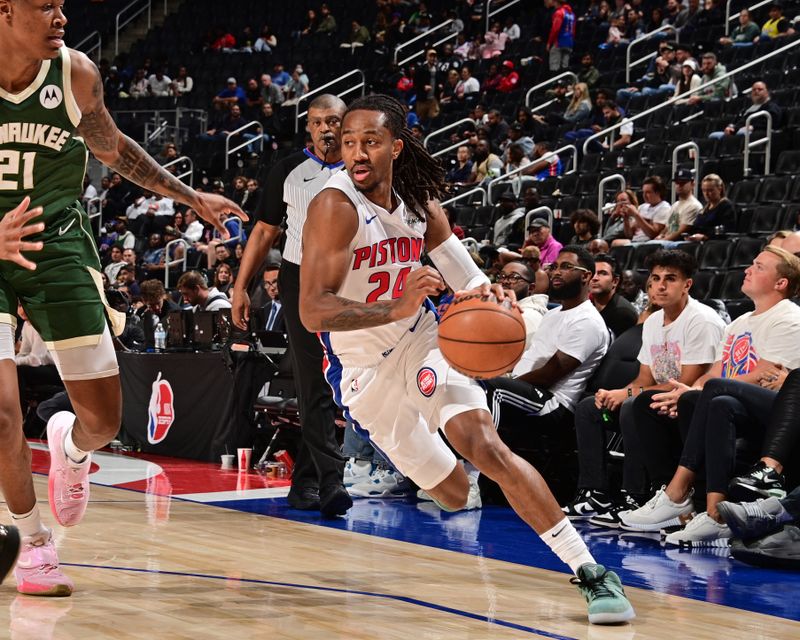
496,532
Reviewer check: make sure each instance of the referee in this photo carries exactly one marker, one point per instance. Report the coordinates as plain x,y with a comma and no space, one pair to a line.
291,185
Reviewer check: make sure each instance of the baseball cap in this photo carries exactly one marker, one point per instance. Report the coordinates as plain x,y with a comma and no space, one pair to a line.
690,63
683,175
231,80
508,64
508,196
516,126
538,223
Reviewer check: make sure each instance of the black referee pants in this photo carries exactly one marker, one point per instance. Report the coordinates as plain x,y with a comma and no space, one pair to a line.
319,462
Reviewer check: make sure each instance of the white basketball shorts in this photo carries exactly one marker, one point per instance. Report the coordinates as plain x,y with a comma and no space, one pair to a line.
404,400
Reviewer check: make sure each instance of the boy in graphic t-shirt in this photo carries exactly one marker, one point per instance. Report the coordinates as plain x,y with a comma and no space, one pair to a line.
678,343
732,400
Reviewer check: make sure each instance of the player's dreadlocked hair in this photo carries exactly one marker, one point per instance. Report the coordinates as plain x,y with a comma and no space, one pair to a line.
417,176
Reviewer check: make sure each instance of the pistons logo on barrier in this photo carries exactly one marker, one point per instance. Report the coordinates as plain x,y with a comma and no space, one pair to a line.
161,412
426,381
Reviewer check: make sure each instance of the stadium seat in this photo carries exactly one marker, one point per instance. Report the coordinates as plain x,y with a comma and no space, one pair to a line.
775,189
464,216
765,219
703,284
730,147
622,255
714,255
744,252
745,192
790,217
640,254
788,163
731,286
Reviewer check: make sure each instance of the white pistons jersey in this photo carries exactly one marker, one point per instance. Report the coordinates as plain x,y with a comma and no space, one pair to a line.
384,250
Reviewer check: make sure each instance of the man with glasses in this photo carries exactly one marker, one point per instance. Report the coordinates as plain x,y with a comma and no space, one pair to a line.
519,277
550,377
273,311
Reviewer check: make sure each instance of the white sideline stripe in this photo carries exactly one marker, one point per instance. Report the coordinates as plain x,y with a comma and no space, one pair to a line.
227,496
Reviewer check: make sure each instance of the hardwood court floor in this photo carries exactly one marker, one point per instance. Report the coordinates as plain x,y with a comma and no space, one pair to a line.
147,566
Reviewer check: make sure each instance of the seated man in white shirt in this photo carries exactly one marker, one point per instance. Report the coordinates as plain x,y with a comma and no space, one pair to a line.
648,221
194,290
684,211
549,379
194,228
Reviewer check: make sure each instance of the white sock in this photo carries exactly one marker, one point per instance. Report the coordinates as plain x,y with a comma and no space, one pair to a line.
565,542
472,470
29,524
73,453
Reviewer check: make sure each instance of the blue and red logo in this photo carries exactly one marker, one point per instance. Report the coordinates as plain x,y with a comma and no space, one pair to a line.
161,411
739,356
426,381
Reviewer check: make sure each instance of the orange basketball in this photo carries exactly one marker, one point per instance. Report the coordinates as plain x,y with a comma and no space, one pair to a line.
481,338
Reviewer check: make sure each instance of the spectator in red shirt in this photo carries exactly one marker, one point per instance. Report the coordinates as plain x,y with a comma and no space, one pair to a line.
510,80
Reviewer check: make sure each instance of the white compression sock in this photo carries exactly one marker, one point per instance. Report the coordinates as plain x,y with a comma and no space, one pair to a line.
73,453
29,524
565,542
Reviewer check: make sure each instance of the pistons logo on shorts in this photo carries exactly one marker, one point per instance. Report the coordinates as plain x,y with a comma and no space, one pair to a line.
426,381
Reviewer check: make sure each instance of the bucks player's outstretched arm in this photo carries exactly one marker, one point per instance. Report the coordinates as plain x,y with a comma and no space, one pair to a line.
331,225
118,152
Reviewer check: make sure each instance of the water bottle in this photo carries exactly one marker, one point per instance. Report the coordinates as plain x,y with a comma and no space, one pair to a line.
160,338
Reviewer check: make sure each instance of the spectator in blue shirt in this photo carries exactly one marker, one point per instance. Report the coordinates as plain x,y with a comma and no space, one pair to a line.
232,94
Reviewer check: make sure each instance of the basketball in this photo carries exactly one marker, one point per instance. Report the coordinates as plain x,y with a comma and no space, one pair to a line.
481,338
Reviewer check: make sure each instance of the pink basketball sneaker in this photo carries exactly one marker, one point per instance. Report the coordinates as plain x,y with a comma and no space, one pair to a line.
37,571
68,486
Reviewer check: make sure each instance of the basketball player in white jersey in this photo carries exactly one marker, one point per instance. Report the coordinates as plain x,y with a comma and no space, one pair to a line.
366,292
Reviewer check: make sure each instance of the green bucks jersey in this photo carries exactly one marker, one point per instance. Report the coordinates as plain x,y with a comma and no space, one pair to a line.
40,154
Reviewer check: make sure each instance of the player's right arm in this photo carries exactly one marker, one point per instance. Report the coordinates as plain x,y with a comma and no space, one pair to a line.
331,225
14,228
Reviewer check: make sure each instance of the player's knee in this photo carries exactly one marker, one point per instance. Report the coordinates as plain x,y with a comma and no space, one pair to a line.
483,447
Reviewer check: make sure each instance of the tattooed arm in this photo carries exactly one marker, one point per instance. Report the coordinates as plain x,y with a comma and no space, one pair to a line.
118,152
330,226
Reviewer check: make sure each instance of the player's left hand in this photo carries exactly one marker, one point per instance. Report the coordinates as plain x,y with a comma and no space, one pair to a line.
211,205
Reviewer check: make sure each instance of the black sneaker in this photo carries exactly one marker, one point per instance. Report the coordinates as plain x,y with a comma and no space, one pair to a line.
9,549
760,482
587,503
334,500
305,499
611,517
